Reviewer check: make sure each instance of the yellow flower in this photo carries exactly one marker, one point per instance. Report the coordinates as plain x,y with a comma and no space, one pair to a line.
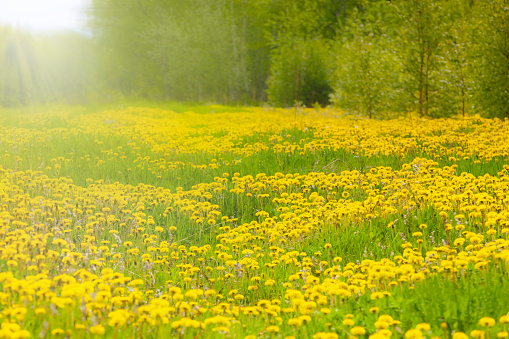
40,311
325,310
305,318
272,329
97,329
210,293
381,324
322,335
117,321
413,334
295,322
423,327
12,263
136,282
357,330
22,334
348,322
57,331
477,334
307,307
487,322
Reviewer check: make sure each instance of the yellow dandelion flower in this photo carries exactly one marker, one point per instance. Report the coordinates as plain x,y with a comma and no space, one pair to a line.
487,322
357,331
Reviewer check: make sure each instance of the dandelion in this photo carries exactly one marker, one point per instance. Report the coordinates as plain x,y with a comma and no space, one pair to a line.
357,331
348,322
477,334
272,329
413,334
381,324
22,334
97,330
423,327
117,321
487,322
57,332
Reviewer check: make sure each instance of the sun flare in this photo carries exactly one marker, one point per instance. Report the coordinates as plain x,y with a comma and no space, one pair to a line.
43,15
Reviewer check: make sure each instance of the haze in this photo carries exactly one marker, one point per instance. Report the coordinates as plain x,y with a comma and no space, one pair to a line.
40,15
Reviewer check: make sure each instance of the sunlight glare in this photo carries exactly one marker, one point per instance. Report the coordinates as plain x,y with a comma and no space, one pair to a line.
45,15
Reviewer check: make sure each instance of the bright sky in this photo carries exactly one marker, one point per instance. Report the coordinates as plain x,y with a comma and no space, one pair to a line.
43,15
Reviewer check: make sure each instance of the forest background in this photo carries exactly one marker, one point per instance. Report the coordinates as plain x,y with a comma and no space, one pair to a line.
436,58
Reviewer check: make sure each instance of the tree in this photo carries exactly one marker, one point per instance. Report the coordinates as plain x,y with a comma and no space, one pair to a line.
493,42
185,50
300,73
300,68
199,51
367,72
123,65
421,35
457,68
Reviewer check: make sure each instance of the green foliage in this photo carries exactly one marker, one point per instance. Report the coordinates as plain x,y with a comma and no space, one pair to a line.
300,33
439,58
493,42
199,61
457,67
420,43
184,50
300,72
123,66
367,72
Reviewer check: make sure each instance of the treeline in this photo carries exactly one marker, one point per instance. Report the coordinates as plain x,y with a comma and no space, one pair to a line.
228,51
438,58
434,57
44,67
194,50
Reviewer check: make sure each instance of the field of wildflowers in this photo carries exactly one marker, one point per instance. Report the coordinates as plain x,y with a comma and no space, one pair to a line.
147,223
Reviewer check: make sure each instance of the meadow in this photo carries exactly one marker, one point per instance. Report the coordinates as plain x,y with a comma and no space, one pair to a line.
139,222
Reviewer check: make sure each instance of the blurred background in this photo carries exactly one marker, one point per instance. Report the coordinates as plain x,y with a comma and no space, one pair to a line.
437,58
